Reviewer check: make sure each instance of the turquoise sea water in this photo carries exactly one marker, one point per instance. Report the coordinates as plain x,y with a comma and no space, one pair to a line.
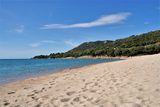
16,69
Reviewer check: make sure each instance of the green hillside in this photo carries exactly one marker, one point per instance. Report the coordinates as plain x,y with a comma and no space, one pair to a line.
147,43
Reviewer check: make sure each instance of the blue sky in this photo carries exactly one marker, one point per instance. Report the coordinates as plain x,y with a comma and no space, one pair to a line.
33,27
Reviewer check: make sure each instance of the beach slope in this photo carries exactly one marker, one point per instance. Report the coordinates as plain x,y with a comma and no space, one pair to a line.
134,82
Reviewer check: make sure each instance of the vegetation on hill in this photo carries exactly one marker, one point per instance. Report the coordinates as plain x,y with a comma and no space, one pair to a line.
147,43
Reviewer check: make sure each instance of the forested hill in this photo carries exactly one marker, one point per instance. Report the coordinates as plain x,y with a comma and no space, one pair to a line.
147,43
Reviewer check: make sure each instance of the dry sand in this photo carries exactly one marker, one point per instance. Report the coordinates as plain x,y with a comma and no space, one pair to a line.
134,82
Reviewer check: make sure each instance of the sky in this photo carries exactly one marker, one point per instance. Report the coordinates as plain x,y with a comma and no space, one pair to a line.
34,27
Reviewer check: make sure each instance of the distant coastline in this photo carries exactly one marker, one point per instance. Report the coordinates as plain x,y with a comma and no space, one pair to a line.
97,57
135,45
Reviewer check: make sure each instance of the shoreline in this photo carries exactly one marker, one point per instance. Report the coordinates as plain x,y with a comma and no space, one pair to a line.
97,57
92,57
126,83
52,72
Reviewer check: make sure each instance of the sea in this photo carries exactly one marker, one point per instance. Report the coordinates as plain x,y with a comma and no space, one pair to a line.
12,70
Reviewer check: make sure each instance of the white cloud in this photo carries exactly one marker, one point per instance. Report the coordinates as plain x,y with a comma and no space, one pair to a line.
146,23
19,29
104,20
44,42
48,41
37,44
70,43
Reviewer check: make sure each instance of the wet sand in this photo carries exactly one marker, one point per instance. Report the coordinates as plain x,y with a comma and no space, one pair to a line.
134,82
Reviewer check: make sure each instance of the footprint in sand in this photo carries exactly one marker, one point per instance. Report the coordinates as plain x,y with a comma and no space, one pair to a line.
51,81
15,100
39,104
114,80
83,80
157,90
68,87
97,101
77,99
140,89
11,92
6,103
42,89
84,97
70,93
35,91
90,99
95,84
25,88
30,95
93,91
84,89
52,84
98,79
65,99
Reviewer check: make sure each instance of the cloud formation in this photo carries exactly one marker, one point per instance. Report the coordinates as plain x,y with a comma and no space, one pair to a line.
69,43
37,44
48,41
104,20
146,23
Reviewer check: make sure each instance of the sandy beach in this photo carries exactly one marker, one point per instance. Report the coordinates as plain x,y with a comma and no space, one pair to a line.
134,82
